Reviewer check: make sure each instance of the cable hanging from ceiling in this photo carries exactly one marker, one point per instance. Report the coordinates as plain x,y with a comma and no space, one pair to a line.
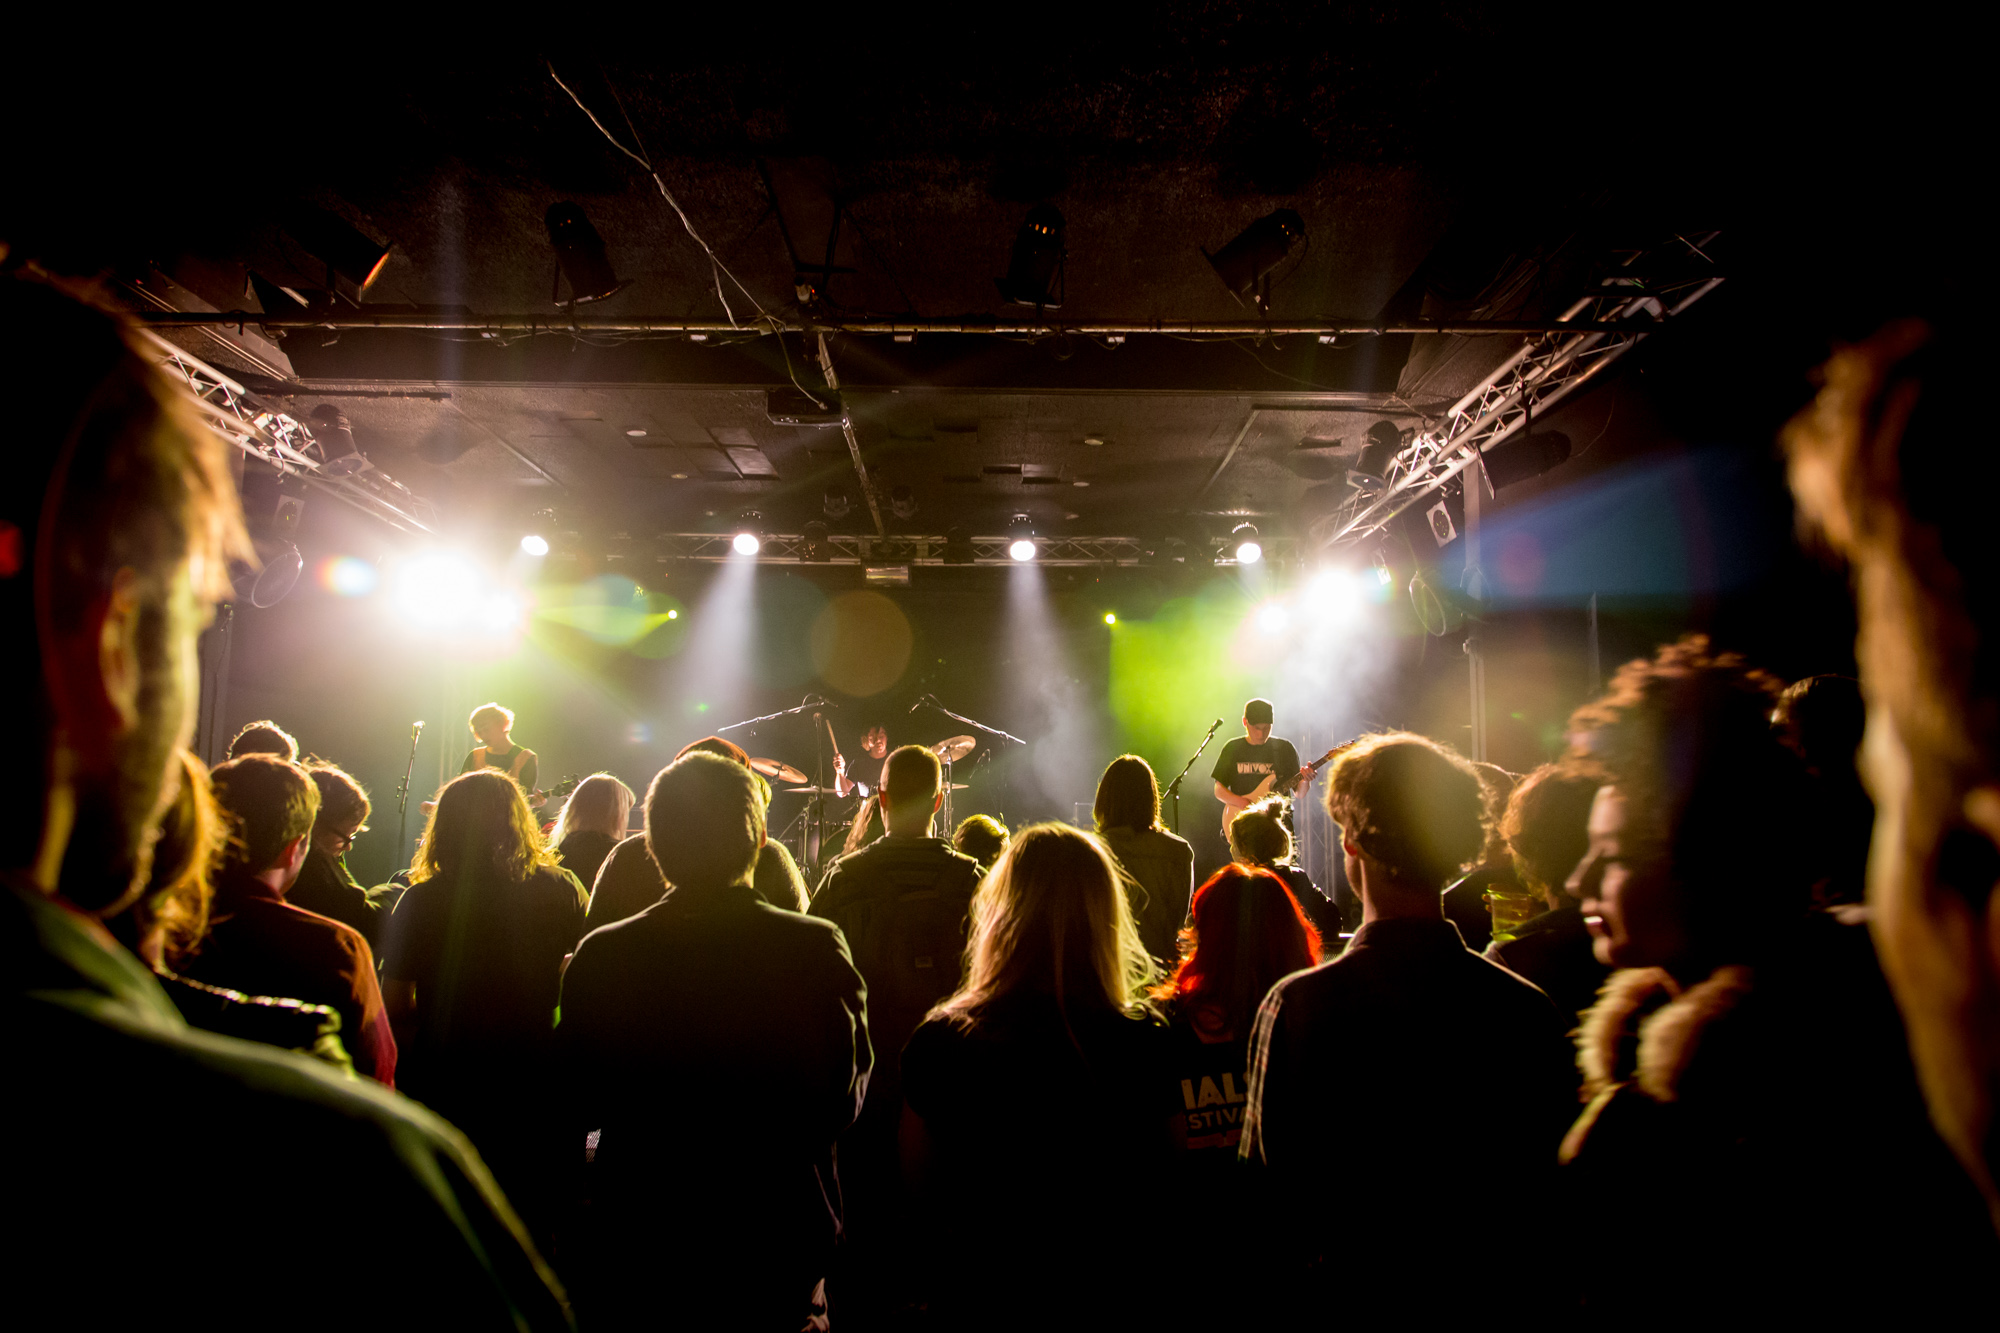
717,268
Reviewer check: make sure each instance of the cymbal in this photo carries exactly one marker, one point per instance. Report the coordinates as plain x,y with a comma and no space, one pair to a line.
956,786
778,769
956,748
804,791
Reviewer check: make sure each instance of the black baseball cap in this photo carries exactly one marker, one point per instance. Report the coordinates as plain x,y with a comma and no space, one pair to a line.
1257,711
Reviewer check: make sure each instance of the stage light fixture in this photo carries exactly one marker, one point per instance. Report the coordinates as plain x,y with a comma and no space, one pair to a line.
580,256
1442,528
1110,617
352,260
1371,469
1021,548
336,441
673,614
958,547
902,502
835,503
1382,574
747,543
279,575
1248,549
1035,273
535,544
813,543
1259,248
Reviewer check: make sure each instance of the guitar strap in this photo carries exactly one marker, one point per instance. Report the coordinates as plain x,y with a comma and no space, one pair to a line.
520,758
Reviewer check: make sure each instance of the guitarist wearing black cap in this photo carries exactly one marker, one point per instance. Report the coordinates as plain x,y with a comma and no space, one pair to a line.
1256,764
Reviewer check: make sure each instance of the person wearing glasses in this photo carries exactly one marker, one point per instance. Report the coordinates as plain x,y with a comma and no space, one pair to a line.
324,884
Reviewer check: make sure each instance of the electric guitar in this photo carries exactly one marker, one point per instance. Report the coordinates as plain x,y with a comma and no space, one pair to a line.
1274,781
552,796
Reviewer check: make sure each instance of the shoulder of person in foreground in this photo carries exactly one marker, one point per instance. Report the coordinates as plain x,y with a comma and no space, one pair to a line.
303,1161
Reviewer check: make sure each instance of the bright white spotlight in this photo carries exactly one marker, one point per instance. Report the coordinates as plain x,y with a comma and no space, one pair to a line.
499,611
1248,550
1332,592
437,590
747,543
1272,618
535,544
1022,549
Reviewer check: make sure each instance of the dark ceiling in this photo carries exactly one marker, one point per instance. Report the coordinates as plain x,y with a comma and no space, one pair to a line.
1463,165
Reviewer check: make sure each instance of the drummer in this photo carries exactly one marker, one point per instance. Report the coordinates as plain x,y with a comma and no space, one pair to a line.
868,820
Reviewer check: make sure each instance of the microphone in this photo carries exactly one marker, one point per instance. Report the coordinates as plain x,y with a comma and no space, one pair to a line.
416,730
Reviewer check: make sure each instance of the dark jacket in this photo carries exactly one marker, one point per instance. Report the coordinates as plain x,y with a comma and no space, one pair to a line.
176,1146
292,1025
1162,866
718,1046
326,888
259,944
628,882
1554,951
902,905
1435,1084
582,853
1044,1128
1756,1130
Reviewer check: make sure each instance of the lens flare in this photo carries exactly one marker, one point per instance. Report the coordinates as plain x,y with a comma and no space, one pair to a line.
1272,618
347,576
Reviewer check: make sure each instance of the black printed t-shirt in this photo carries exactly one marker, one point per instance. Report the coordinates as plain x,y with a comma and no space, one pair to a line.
1241,765
1214,1088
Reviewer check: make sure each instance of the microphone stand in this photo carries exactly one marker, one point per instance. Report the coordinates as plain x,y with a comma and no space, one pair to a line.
1174,787
403,792
818,823
812,701
931,699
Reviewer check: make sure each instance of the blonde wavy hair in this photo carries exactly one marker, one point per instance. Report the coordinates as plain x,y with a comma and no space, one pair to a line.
1052,918
600,804
482,824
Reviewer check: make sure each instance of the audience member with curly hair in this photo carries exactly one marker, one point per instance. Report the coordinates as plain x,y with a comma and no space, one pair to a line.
1743,1039
1545,827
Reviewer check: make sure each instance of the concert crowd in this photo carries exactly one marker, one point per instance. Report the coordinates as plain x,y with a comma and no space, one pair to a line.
1642,1035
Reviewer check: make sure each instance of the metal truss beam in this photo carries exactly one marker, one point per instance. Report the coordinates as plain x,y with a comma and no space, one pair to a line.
510,325
1593,333
848,549
286,444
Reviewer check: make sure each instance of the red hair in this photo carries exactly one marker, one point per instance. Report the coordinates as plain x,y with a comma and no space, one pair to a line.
1248,933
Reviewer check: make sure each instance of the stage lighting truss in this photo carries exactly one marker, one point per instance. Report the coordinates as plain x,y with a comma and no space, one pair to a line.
869,551
288,445
1549,368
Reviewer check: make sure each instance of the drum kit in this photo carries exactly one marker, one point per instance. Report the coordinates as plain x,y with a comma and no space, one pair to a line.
786,780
